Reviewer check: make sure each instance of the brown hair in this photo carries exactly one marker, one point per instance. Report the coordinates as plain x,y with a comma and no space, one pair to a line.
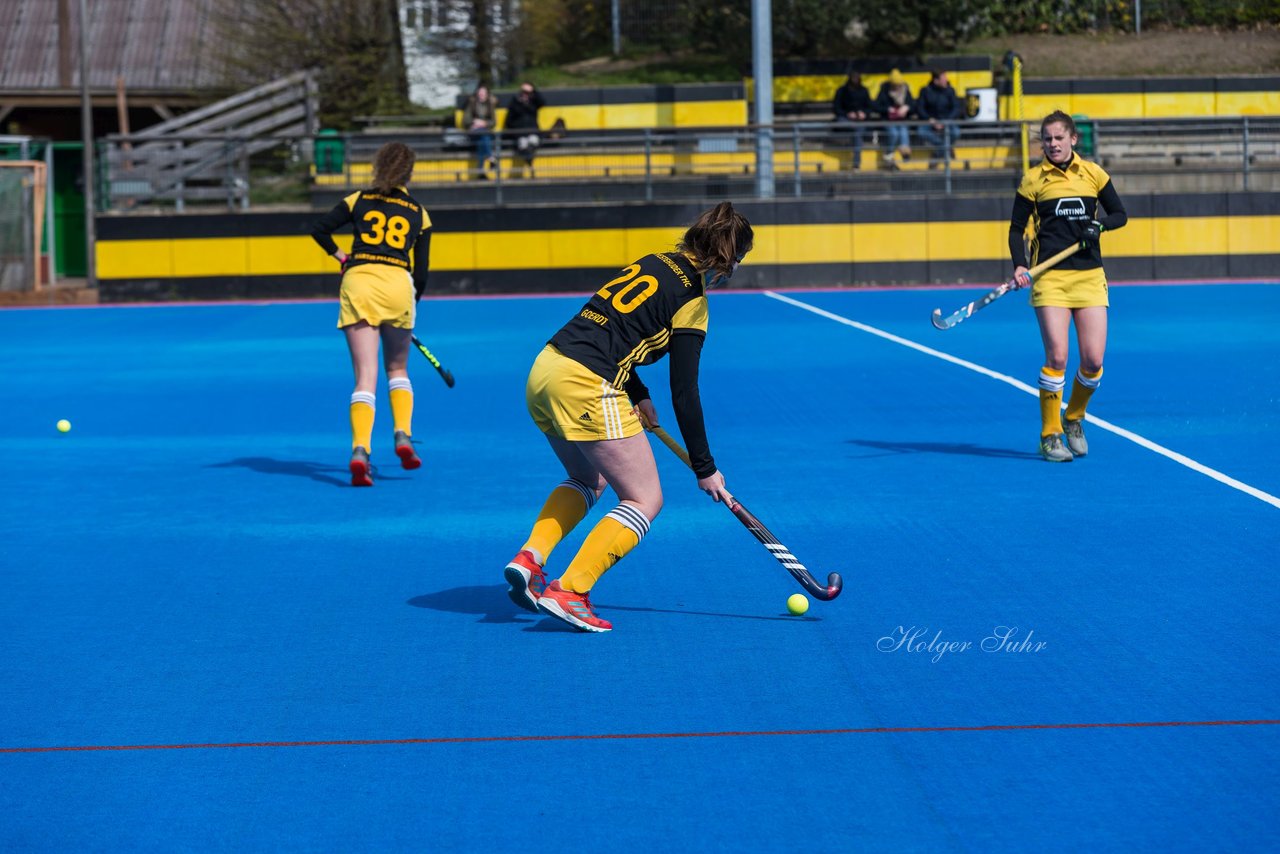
1063,118
392,167
717,238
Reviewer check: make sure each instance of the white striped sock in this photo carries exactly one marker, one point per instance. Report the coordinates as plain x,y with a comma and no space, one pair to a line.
399,382
1089,382
1049,382
631,518
363,397
588,494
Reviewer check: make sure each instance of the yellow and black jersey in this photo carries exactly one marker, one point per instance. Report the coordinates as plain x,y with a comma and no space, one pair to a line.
390,228
630,320
1059,201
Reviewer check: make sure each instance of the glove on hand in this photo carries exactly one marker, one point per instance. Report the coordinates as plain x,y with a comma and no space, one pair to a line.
1090,232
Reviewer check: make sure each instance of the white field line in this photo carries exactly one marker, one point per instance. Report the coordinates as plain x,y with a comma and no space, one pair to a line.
1021,386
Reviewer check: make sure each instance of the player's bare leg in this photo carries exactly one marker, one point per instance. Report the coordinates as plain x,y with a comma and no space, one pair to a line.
564,508
1091,335
628,466
395,359
362,341
1055,332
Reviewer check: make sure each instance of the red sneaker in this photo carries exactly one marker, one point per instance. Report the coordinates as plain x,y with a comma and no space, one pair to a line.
527,580
409,458
360,467
573,608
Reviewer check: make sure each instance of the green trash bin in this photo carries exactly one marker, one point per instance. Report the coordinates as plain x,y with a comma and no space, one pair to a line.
330,153
1084,126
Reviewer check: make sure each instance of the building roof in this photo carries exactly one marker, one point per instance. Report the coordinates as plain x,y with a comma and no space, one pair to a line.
154,45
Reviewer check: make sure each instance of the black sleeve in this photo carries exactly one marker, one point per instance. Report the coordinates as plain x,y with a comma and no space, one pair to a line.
924,103
1022,210
1110,201
421,262
686,352
635,389
322,231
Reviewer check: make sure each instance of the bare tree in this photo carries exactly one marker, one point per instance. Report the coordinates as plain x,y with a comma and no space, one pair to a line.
353,45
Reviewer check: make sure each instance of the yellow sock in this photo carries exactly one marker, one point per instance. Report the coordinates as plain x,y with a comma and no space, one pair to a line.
1051,382
361,419
402,404
565,507
1082,388
609,541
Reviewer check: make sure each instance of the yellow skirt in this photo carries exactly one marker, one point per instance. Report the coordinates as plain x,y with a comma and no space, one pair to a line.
568,400
376,294
1070,288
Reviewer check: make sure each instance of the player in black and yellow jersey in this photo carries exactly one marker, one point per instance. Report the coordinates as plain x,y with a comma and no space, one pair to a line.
382,279
1067,200
583,393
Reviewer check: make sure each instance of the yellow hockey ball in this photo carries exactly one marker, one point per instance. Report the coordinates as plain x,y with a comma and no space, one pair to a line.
797,603
63,425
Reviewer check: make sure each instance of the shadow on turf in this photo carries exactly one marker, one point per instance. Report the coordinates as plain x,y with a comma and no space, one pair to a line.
297,468
493,606
940,448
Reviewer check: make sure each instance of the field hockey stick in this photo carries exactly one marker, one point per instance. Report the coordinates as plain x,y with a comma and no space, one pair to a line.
780,552
991,296
435,363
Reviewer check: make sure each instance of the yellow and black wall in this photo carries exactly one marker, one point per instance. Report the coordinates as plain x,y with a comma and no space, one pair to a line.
598,108
809,81
569,249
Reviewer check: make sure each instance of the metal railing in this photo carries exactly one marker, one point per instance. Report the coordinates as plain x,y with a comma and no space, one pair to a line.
811,160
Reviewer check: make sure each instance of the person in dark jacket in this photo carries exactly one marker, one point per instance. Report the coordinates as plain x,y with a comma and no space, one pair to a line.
522,122
852,106
938,104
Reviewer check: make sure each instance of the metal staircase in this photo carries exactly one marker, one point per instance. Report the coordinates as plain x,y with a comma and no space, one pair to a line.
204,155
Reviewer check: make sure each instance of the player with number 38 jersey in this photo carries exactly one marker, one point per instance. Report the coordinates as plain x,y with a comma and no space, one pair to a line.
382,279
584,395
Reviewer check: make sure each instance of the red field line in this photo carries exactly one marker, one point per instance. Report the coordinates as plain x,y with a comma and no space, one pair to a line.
365,742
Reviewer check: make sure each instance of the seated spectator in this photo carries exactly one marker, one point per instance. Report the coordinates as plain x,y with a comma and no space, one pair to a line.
896,105
937,103
522,122
852,106
478,120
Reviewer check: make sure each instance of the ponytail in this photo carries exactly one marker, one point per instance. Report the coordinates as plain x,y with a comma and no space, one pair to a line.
717,239
392,167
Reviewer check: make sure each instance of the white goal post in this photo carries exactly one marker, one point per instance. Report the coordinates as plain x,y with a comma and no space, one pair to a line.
23,192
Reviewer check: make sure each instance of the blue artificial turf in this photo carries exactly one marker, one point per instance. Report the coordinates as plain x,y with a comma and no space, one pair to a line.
187,567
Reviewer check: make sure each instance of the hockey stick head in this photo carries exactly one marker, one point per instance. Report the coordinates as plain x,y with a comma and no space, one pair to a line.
937,320
834,585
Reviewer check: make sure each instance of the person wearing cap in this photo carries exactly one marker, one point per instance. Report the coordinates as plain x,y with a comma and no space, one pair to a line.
896,105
